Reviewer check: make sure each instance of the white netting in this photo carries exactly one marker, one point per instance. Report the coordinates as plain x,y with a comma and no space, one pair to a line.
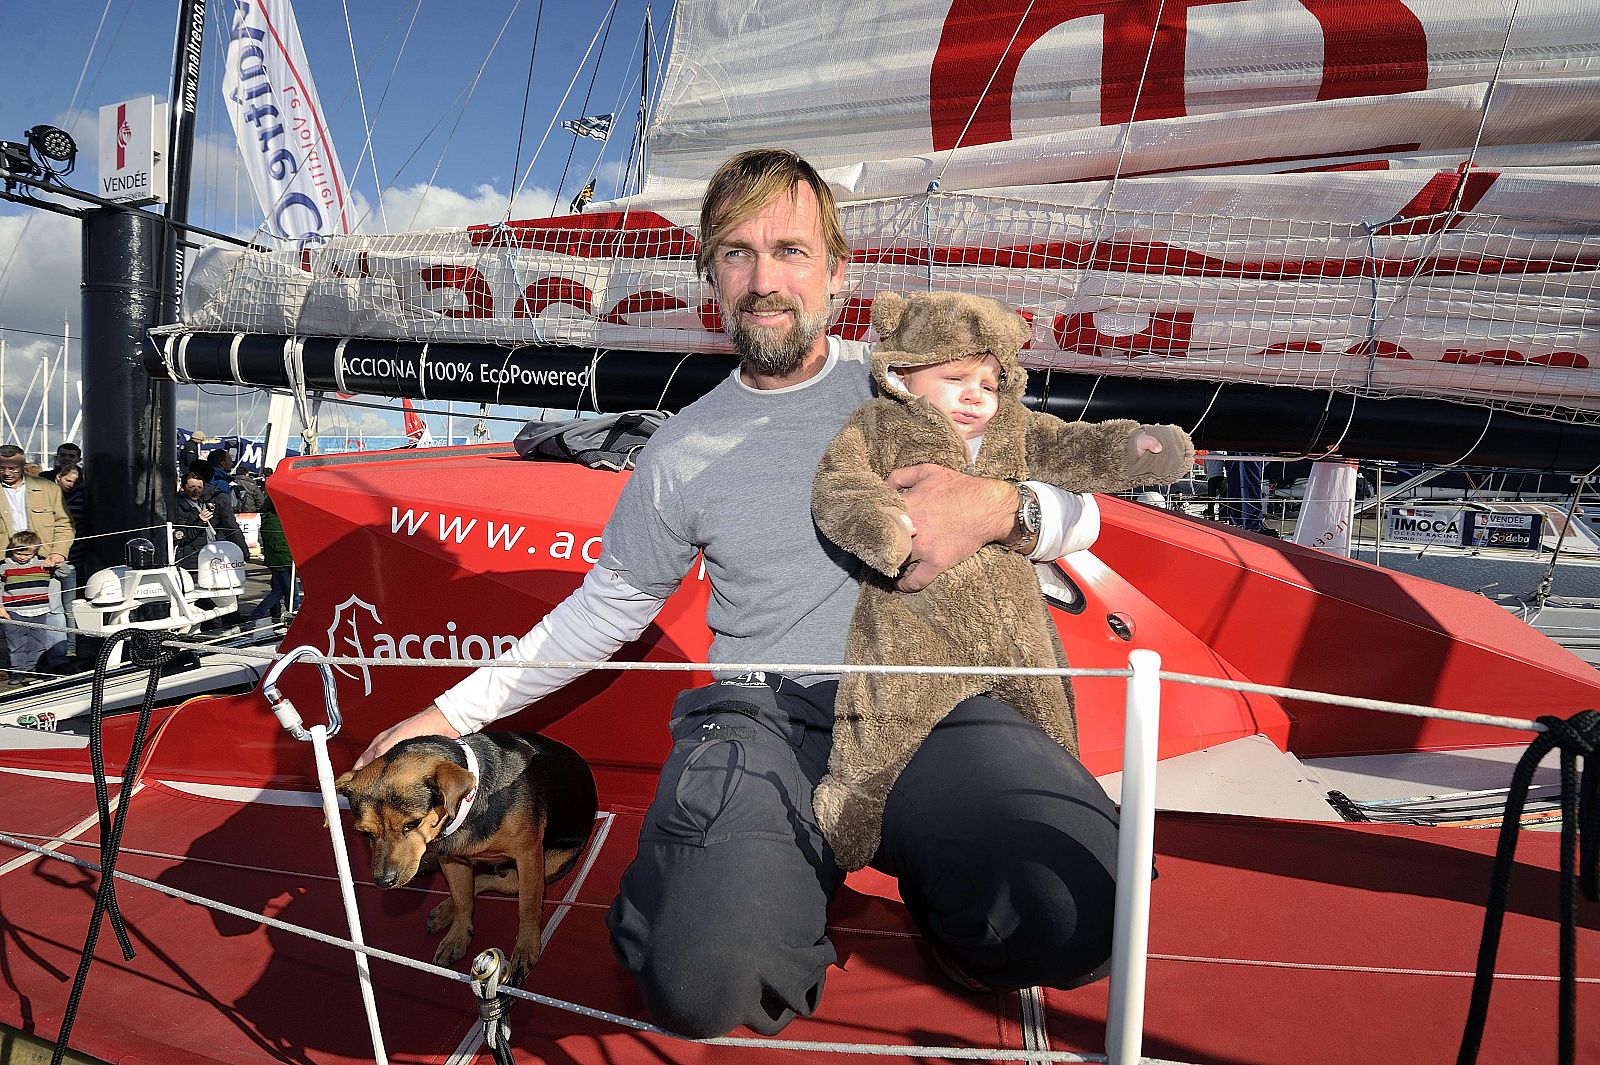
1367,283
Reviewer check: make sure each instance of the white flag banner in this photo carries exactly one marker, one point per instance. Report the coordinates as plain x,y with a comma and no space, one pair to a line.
280,126
1328,509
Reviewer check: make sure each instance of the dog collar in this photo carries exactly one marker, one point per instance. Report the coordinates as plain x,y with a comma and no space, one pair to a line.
466,804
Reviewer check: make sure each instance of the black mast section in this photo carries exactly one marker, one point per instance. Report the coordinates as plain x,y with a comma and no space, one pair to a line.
180,145
133,280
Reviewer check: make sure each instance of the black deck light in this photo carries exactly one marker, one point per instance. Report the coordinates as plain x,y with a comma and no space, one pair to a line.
55,145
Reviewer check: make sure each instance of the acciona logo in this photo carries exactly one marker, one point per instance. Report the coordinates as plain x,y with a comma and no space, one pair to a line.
357,631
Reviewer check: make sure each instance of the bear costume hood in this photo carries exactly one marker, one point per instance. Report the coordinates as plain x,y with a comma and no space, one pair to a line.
927,328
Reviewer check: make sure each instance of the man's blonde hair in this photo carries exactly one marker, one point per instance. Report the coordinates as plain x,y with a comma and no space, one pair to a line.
749,181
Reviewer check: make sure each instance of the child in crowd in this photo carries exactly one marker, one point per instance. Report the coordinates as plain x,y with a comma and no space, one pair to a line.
950,392
25,596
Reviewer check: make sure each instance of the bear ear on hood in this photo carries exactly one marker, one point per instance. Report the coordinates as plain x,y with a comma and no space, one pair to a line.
888,308
1018,331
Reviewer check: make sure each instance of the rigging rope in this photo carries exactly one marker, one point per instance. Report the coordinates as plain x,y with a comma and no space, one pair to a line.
467,92
556,113
527,90
399,55
594,76
146,650
1575,737
366,123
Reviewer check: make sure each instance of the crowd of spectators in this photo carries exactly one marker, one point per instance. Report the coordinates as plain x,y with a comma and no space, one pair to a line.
44,523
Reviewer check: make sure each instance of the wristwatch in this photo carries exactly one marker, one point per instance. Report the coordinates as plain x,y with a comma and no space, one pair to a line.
1025,528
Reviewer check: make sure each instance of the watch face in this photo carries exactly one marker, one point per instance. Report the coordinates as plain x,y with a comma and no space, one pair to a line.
1028,512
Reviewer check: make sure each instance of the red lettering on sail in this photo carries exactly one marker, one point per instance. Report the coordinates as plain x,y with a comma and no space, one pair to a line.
1381,349
1166,333
480,303
1369,48
710,316
551,290
643,303
855,318
1429,211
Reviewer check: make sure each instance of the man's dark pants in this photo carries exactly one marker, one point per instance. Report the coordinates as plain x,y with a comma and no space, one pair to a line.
1004,845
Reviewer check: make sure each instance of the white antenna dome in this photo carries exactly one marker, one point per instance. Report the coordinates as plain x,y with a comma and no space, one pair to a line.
221,567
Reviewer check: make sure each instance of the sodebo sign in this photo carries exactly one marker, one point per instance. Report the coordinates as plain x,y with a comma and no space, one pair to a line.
1439,526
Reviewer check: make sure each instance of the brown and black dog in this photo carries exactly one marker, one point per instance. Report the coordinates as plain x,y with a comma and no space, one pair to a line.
526,806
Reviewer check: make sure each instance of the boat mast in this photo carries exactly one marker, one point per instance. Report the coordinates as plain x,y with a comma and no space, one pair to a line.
644,97
180,147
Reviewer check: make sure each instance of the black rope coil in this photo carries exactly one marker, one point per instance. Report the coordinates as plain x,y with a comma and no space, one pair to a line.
150,651
1575,737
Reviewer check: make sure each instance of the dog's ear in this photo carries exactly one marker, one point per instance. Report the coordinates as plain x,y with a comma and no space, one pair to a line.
453,783
341,786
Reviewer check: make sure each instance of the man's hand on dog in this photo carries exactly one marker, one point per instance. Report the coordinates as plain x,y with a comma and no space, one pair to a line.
429,722
953,515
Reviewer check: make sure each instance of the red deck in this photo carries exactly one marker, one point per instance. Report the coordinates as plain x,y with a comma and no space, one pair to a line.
1271,942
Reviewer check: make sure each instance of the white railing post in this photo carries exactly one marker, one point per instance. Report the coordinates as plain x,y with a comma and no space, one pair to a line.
341,861
1135,858
318,735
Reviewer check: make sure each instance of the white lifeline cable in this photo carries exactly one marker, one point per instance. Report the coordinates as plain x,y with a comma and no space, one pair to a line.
965,1053
732,668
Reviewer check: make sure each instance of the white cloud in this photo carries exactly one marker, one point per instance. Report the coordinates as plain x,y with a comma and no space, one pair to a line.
431,207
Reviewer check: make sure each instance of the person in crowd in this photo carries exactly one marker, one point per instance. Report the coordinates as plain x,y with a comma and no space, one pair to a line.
221,461
25,598
280,564
68,476
67,454
249,492
34,504
1247,494
202,513
1003,845
1216,469
192,449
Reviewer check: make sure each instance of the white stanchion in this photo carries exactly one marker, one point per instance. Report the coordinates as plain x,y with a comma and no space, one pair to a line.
1135,857
341,861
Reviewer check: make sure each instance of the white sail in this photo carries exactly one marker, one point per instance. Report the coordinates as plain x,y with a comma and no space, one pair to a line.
1384,199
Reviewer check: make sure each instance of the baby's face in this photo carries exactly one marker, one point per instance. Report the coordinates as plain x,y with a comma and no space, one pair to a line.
964,390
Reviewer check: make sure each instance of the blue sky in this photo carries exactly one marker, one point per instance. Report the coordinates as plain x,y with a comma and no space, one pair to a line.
444,151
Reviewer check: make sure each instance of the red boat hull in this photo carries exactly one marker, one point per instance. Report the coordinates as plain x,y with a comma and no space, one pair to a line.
1271,941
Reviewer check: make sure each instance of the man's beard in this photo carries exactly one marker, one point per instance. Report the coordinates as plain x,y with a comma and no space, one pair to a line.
767,351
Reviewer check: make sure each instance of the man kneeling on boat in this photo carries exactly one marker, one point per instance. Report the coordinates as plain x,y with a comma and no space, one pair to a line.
1003,844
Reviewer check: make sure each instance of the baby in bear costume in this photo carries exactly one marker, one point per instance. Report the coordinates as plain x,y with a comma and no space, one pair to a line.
936,353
